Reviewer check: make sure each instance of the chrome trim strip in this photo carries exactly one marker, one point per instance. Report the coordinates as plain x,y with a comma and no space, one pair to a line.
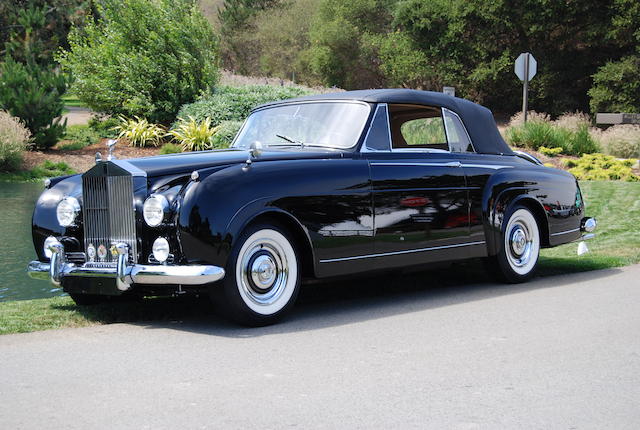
566,232
447,164
487,166
409,251
365,148
445,110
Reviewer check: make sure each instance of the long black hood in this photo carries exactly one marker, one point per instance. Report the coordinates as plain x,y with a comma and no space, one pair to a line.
162,165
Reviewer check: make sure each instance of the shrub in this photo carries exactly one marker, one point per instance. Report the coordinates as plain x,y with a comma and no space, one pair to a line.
79,137
227,131
14,138
616,87
193,135
574,138
170,148
581,141
140,132
34,94
592,167
550,152
104,127
621,140
235,103
142,58
533,135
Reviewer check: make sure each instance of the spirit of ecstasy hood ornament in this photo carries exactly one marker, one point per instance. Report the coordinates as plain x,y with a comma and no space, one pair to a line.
111,146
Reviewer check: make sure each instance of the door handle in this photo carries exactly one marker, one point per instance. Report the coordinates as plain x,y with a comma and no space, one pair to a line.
453,164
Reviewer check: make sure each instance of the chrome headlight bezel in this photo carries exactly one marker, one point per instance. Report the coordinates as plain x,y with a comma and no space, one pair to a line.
67,211
155,209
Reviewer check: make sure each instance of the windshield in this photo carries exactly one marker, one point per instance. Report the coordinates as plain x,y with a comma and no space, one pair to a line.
330,125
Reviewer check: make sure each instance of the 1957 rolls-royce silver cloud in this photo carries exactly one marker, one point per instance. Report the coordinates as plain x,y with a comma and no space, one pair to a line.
313,187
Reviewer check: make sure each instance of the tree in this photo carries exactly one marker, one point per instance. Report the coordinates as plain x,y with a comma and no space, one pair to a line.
36,29
30,87
142,57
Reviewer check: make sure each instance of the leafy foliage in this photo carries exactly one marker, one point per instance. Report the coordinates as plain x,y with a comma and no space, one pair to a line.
140,132
235,103
104,127
226,132
33,30
237,48
33,93
193,135
622,140
142,58
14,138
79,136
593,167
550,152
170,148
616,87
543,133
469,44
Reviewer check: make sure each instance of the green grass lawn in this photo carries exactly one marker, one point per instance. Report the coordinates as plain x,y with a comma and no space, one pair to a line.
616,205
71,100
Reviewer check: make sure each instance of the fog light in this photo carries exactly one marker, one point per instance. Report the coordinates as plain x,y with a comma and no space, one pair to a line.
160,249
47,243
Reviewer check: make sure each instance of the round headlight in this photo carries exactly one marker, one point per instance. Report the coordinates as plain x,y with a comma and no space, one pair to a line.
160,249
67,211
154,209
47,243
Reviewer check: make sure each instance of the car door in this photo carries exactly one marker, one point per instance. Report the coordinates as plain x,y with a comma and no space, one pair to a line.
420,195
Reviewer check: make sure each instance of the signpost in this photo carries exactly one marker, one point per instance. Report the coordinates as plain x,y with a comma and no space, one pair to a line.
525,68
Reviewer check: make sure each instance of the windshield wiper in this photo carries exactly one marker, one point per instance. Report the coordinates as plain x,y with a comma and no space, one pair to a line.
290,140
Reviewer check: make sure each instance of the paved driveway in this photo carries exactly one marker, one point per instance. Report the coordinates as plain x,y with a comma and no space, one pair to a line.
560,352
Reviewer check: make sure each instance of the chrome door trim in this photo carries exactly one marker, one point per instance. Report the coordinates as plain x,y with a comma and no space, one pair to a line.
409,251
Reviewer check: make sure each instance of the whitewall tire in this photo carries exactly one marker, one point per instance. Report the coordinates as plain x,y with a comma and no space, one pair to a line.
520,246
263,277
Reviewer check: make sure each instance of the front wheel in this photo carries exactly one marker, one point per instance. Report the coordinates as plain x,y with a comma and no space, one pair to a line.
263,277
518,258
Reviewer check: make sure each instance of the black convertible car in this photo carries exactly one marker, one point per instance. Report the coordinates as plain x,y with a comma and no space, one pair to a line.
312,187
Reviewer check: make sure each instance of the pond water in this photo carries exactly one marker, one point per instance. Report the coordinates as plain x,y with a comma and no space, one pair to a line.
17,201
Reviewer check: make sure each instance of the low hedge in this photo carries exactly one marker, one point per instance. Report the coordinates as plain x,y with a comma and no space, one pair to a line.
235,103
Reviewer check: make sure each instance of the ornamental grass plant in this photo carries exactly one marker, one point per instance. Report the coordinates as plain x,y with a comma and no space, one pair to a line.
14,139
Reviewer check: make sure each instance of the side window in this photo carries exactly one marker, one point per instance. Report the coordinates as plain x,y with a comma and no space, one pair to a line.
458,138
415,126
423,131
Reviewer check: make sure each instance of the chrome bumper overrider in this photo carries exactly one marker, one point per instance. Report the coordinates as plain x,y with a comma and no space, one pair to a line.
587,227
124,274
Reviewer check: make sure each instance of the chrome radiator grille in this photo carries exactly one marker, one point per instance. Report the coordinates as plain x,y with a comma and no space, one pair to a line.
108,213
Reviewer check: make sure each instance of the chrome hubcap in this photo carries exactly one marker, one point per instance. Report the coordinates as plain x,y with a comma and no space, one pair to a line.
520,244
264,272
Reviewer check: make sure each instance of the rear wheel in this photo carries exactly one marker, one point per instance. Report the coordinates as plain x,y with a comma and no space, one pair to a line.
518,258
263,277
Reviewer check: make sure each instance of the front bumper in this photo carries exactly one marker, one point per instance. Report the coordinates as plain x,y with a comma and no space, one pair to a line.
124,274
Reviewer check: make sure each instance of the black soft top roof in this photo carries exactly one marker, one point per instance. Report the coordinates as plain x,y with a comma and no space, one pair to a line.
477,119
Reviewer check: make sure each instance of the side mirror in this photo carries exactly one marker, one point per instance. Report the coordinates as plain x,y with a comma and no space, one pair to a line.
255,149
